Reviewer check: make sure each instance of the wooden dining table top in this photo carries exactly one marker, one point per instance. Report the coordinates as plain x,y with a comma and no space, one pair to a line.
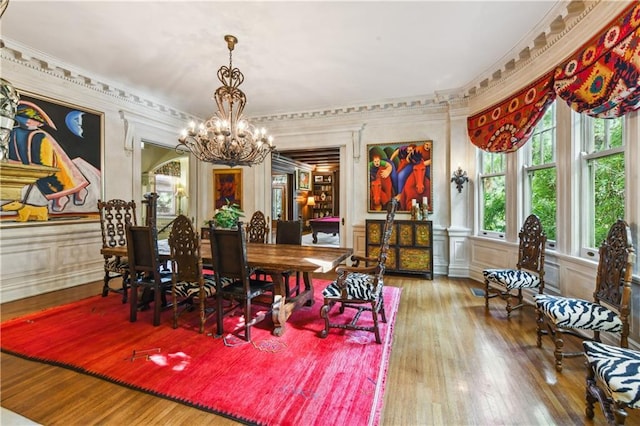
270,257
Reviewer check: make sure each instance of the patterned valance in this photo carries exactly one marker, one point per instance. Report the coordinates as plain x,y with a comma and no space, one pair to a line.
507,126
602,79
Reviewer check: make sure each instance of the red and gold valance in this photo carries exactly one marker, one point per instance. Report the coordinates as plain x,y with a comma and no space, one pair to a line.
507,126
602,79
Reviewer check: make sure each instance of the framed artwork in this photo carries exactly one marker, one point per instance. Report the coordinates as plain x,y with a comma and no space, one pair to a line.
53,133
317,178
303,180
166,203
227,187
401,170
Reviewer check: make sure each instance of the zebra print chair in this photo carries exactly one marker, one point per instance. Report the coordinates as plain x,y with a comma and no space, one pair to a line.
360,287
613,379
115,215
529,272
188,280
608,312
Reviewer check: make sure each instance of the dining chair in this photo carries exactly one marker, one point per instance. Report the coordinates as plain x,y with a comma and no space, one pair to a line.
188,280
229,255
144,267
290,232
528,273
613,379
257,228
115,215
610,309
360,287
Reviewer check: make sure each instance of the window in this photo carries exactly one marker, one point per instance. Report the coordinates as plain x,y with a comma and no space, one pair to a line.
493,197
603,179
540,174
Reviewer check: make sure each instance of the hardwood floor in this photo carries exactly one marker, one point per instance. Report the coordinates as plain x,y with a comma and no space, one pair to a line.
452,363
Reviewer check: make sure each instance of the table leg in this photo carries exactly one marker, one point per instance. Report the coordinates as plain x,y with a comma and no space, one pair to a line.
315,237
283,307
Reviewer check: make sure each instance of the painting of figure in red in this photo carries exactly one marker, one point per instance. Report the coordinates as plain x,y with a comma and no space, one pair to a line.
401,171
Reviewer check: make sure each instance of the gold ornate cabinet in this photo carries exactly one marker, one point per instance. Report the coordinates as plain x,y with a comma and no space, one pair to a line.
410,248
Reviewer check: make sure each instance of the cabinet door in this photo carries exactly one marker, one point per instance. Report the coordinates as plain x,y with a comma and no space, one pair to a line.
414,259
423,235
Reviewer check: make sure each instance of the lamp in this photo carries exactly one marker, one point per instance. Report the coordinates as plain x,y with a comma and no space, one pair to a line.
227,138
459,177
180,193
311,201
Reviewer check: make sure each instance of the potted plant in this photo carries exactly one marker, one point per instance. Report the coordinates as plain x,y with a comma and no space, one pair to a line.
228,215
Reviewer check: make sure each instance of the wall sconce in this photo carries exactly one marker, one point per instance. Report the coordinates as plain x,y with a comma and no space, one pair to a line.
459,177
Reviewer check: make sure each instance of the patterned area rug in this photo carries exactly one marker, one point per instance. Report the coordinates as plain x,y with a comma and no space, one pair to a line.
295,379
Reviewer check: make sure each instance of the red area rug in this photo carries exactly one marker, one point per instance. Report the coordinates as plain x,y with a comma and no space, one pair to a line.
296,379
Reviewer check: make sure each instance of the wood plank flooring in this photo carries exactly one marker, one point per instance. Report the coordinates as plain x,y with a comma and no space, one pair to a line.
452,363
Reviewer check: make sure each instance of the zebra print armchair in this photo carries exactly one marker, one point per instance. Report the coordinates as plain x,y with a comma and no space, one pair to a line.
610,309
613,379
360,287
529,271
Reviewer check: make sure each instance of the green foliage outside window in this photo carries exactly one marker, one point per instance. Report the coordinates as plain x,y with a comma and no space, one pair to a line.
494,218
543,204
609,194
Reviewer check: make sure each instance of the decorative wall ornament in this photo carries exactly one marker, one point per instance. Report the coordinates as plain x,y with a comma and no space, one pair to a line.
459,177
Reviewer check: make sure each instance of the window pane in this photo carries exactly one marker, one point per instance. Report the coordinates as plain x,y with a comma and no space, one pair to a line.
543,203
494,218
609,185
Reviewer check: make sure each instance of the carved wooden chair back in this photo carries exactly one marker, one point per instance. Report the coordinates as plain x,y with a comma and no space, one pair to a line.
257,229
188,280
115,215
610,309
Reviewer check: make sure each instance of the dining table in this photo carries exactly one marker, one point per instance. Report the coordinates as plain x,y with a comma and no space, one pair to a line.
274,259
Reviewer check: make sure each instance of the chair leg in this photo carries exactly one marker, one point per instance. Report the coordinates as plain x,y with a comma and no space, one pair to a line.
174,297
539,326
324,313
376,329
559,342
105,287
486,295
202,312
125,287
133,303
157,304
384,315
247,319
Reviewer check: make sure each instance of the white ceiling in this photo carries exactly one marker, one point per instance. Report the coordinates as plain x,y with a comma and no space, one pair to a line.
296,56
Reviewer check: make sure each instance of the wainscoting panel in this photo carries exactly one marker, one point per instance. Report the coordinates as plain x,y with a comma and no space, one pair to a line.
36,259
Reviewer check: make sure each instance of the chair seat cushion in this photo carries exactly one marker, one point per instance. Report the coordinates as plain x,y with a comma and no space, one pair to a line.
359,287
187,289
618,369
568,312
117,264
512,279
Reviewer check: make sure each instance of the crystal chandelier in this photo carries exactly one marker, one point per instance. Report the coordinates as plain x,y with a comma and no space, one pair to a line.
227,138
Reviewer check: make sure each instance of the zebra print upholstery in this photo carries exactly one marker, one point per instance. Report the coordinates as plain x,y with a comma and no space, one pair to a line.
529,272
613,379
512,279
357,285
576,313
186,289
360,287
610,309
